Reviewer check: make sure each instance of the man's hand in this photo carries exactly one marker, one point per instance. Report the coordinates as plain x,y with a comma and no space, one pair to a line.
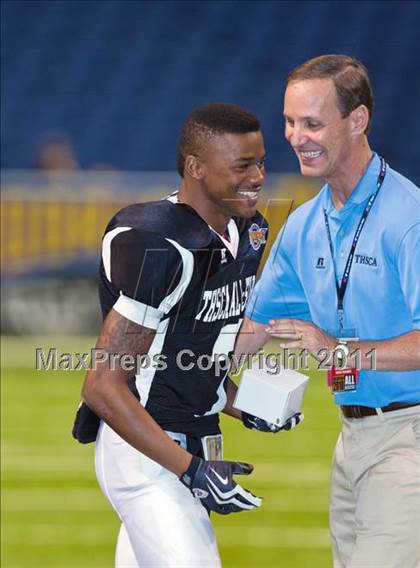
400,353
255,423
301,334
213,483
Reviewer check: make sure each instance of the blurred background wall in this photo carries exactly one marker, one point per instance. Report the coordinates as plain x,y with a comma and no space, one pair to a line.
94,94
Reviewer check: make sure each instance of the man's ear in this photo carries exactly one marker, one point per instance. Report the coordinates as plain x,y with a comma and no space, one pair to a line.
193,166
359,118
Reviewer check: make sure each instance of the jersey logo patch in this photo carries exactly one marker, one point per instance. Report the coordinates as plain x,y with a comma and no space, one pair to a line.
257,236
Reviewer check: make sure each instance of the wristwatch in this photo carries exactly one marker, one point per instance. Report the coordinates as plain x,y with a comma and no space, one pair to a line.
340,353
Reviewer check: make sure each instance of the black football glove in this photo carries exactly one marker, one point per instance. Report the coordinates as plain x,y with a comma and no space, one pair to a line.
213,483
255,423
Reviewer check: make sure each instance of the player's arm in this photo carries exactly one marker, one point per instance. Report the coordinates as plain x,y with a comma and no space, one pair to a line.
231,389
129,257
106,392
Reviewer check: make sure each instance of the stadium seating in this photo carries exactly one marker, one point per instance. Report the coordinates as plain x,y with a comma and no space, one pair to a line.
119,77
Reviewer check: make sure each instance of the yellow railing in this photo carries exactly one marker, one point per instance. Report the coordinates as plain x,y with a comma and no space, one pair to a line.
50,232
42,228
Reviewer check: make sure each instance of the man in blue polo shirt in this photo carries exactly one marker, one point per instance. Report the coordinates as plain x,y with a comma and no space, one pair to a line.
343,282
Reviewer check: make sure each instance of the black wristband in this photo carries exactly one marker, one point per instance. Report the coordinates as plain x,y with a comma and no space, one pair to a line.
188,476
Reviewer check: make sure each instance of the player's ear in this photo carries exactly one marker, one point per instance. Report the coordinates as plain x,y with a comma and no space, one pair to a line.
193,166
359,120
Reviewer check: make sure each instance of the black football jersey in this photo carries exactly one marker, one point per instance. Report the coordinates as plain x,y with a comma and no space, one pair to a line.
164,268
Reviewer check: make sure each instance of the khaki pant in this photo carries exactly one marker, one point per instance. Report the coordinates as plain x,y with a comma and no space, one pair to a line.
375,492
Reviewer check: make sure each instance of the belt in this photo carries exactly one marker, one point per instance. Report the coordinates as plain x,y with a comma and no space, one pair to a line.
354,411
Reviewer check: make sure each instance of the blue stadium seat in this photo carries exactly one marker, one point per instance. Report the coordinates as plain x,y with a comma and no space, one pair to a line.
120,77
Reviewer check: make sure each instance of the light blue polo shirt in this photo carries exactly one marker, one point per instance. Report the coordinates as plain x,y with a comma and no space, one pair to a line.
382,300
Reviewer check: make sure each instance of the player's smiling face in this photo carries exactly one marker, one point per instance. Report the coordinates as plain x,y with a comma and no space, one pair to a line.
315,129
233,173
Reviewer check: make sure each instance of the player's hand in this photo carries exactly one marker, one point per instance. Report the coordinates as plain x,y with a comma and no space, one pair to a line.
255,423
213,483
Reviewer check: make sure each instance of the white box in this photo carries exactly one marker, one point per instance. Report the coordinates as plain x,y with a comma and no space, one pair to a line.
272,397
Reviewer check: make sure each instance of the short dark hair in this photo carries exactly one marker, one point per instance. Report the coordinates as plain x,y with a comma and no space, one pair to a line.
211,120
350,78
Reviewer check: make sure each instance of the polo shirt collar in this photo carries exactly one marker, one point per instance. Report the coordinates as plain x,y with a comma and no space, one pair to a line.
363,190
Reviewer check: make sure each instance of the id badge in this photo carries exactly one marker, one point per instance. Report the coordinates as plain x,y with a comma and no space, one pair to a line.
342,380
212,447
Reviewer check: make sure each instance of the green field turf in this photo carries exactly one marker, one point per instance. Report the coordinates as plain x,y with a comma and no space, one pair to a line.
54,515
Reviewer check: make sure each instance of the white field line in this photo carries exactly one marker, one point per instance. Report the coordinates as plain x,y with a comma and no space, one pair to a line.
43,534
227,537
53,500
299,474
271,537
65,499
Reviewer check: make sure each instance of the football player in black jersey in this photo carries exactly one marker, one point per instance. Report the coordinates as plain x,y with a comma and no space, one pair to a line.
175,277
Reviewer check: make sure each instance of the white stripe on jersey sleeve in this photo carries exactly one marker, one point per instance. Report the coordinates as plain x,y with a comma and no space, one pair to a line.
187,271
223,344
145,378
139,313
220,403
234,237
106,248
148,316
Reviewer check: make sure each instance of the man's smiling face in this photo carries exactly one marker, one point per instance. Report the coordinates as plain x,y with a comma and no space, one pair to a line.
315,129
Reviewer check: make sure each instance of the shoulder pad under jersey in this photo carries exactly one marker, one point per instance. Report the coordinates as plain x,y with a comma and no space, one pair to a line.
175,221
